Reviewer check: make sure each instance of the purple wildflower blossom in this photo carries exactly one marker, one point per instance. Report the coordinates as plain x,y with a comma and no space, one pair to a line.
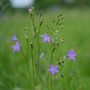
71,55
14,38
45,38
53,69
16,47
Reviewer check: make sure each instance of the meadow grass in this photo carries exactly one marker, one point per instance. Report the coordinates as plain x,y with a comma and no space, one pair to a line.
13,71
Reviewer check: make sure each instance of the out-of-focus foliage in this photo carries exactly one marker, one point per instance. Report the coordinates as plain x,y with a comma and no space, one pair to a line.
14,73
5,5
82,2
46,3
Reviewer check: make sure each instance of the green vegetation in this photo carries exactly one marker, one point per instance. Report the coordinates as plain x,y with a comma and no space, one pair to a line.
13,70
6,6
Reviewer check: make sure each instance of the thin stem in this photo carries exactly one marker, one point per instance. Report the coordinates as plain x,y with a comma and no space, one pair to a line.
38,41
50,78
34,40
48,82
51,82
34,28
23,53
27,51
52,55
33,63
27,58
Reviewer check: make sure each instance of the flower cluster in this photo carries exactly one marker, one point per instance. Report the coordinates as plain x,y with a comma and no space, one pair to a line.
45,39
34,48
17,45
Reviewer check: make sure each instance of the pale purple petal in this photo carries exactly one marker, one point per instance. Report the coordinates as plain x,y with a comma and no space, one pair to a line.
56,66
14,38
45,38
71,54
53,69
16,47
53,73
56,71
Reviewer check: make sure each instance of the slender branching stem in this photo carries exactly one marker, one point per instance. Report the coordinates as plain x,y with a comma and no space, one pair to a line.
52,55
50,76
23,53
27,57
38,42
33,71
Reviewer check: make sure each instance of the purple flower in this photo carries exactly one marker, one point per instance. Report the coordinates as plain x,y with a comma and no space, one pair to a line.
53,69
45,38
16,47
71,55
14,38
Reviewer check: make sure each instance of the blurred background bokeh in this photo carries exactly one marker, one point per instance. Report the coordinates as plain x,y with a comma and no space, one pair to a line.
14,17
42,4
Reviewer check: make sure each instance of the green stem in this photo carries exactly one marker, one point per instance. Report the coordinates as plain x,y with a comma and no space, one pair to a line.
38,41
52,55
35,40
34,28
33,64
23,53
27,58
50,80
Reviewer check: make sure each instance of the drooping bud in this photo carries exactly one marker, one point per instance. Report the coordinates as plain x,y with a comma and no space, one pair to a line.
31,45
31,11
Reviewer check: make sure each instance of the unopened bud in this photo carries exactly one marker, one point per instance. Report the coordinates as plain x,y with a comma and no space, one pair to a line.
62,75
31,45
41,21
31,11
62,39
26,37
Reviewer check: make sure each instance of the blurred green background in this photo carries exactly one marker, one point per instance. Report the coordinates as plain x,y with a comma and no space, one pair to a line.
76,32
